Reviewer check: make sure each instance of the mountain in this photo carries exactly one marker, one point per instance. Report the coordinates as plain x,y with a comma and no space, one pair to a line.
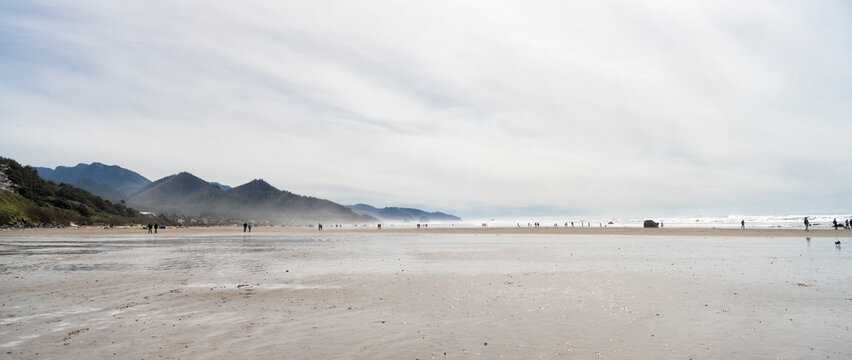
186,194
189,195
26,199
183,193
221,186
111,182
402,214
104,191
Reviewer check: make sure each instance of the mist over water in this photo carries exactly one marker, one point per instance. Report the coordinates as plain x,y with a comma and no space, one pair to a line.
796,221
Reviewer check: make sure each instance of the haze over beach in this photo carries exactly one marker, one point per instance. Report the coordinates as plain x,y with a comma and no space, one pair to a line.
425,180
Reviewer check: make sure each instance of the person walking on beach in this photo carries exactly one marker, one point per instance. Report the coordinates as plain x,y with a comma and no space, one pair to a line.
319,226
245,226
807,223
742,224
249,227
156,226
150,227
835,223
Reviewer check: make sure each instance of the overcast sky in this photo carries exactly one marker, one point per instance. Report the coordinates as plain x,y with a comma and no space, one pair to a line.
479,108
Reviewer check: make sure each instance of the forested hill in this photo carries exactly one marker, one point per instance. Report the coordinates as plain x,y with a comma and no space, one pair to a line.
189,195
28,200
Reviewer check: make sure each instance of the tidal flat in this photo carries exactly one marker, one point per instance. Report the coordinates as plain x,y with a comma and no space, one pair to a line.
423,296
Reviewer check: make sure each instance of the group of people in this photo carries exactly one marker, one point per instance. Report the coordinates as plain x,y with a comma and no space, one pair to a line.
246,226
836,225
153,227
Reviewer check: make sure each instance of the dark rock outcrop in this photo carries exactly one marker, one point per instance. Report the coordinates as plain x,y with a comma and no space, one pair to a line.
650,224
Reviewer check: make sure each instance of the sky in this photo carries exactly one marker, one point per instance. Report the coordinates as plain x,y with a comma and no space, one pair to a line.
497,108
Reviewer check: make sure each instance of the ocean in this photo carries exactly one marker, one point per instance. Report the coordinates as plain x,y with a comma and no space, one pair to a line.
819,221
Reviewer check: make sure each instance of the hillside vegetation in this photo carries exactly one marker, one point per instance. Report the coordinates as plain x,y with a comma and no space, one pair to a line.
29,200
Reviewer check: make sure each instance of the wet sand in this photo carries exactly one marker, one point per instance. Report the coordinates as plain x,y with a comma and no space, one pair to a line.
362,295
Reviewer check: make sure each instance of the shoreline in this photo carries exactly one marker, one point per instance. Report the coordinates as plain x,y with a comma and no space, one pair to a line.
422,294
621,231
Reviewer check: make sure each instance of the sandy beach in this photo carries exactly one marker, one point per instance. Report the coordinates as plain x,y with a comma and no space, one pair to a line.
212,293
625,231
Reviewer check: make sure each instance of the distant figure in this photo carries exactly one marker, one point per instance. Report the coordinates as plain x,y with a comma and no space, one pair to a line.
847,224
380,226
742,224
319,227
807,223
834,223
661,224
418,226
245,226
150,228
572,224
249,227
156,226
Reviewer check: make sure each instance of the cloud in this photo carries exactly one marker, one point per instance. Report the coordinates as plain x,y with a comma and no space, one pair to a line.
607,107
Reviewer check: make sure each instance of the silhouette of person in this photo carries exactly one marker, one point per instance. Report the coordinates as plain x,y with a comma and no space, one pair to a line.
156,226
319,226
807,223
150,228
835,223
249,227
742,224
245,226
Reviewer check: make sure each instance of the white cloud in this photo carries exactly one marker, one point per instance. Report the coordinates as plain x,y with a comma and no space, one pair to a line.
605,107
